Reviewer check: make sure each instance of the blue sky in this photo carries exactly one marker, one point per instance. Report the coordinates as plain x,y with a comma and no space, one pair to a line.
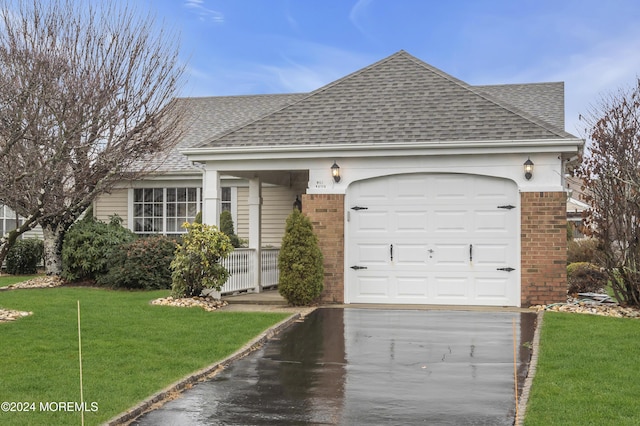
235,47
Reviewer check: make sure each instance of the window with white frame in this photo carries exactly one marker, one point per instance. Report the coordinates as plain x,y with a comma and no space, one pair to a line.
8,220
225,199
164,210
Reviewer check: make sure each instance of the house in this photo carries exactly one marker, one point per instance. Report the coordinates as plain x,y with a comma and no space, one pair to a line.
422,188
576,206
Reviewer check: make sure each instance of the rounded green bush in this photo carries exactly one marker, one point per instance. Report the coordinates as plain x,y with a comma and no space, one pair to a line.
300,262
141,264
25,256
88,245
196,264
585,277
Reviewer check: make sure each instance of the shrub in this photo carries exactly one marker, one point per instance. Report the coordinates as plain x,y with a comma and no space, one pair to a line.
584,250
25,256
584,277
89,244
141,264
196,264
226,226
300,262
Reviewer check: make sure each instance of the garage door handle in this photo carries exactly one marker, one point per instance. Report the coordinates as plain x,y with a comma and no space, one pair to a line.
470,252
391,252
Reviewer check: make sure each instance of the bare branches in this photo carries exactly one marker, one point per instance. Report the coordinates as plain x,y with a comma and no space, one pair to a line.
611,173
86,93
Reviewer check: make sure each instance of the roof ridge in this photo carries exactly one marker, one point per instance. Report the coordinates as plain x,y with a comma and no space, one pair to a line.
303,98
241,96
500,103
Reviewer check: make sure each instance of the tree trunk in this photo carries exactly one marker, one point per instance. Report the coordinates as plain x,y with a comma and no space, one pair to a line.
53,237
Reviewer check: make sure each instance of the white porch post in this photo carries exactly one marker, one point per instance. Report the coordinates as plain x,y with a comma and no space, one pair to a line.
211,194
255,228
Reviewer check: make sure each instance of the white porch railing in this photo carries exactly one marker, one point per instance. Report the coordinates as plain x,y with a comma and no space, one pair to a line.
241,266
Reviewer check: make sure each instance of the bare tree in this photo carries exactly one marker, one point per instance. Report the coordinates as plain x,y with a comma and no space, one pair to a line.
86,95
611,174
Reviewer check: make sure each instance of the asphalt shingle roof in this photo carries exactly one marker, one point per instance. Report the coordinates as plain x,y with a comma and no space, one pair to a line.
216,115
542,100
398,99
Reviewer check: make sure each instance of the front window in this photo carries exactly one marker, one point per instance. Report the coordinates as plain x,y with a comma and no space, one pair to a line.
225,200
164,210
8,220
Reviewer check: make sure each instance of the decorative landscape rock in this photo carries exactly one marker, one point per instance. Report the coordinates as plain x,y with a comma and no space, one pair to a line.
39,282
7,315
209,304
582,306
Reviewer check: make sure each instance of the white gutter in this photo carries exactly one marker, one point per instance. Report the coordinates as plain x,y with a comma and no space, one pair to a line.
386,149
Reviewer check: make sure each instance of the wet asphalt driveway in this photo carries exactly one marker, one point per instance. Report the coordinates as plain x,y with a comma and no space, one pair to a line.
368,367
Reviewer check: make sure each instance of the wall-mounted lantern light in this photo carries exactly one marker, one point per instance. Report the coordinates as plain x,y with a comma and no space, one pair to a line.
297,204
335,172
528,169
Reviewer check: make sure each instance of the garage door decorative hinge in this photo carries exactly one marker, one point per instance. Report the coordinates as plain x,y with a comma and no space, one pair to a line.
356,267
508,269
508,207
359,208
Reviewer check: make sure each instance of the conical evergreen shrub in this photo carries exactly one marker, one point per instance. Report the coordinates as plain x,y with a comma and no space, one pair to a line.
300,262
226,226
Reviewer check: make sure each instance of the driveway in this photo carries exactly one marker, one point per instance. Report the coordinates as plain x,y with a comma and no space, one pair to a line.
369,366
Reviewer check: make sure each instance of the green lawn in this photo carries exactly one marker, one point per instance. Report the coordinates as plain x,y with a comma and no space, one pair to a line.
587,372
130,349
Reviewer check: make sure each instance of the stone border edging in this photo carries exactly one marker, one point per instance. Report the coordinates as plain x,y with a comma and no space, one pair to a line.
182,384
533,363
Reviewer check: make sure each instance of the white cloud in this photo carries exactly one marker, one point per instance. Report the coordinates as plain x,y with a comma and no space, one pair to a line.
203,12
592,74
360,16
299,67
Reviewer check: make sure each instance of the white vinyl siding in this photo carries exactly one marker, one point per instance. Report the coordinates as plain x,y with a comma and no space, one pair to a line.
276,206
7,220
114,203
8,223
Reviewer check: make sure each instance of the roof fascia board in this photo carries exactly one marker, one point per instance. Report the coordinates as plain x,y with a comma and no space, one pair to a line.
375,150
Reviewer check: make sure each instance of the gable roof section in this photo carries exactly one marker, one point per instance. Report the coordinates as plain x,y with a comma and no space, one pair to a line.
399,99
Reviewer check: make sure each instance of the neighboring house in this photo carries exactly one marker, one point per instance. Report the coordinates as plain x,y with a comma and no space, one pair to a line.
414,180
576,206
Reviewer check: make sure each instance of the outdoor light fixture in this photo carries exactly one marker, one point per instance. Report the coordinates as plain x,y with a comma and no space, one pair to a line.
297,204
335,172
528,169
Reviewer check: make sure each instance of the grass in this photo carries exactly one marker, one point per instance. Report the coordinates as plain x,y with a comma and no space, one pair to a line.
587,372
6,280
130,348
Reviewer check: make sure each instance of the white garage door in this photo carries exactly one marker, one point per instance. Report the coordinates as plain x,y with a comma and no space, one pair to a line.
433,239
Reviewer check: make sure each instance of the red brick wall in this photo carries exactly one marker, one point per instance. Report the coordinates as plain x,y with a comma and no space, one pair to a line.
326,212
544,248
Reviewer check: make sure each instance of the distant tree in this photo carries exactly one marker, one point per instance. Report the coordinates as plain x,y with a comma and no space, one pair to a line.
86,95
611,174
